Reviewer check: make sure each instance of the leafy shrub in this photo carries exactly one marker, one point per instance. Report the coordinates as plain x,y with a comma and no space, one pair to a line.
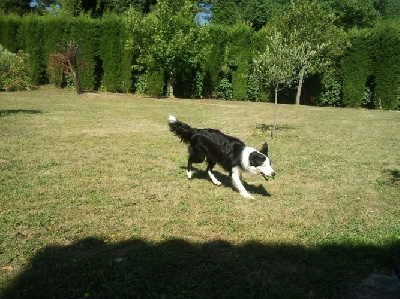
155,84
14,74
197,86
224,88
331,90
58,69
253,88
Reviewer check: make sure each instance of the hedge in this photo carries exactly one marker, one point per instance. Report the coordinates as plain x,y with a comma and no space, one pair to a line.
356,67
115,60
386,60
370,68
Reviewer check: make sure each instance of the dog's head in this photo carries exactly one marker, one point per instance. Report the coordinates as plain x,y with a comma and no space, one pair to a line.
259,163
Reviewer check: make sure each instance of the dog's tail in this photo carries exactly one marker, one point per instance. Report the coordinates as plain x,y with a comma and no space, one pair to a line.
180,129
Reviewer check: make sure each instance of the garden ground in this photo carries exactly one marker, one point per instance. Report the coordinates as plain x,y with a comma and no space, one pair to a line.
95,201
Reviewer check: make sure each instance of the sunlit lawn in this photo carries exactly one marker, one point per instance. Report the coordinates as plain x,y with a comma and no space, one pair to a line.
95,203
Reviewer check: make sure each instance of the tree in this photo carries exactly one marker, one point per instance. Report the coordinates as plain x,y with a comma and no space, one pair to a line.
313,36
353,13
168,38
225,12
276,66
71,53
258,13
18,7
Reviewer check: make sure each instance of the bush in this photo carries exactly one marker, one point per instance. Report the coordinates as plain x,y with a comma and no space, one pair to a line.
253,88
155,86
58,69
14,74
331,90
224,88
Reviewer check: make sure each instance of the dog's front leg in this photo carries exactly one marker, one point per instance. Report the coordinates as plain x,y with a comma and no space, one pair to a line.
236,176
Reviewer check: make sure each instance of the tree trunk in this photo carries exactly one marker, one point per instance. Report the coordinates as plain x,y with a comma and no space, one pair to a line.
274,113
300,85
77,81
170,87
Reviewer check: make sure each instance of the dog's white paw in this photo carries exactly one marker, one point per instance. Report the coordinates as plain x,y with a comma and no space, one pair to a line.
213,178
189,174
247,195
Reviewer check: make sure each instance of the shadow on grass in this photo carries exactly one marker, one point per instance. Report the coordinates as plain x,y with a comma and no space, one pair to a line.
91,268
227,182
7,112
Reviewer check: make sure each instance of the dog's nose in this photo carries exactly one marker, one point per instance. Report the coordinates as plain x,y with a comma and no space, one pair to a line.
273,174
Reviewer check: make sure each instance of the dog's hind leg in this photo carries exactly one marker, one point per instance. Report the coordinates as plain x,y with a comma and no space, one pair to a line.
236,181
194,157
210,166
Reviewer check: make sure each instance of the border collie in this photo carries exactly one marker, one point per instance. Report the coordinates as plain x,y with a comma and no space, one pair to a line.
217,148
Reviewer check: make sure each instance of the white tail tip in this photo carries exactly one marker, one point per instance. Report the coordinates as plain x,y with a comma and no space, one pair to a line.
171,119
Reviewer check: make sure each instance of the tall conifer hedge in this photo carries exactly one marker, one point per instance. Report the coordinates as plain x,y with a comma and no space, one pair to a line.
31,37
116,61
9,30
386,57
356,67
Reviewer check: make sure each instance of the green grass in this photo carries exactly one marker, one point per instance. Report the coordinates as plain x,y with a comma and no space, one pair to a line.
95,203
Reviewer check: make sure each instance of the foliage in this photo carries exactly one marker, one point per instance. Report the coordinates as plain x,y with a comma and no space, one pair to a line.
14,74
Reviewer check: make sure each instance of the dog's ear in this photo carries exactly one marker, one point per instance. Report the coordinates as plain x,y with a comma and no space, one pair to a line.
264,149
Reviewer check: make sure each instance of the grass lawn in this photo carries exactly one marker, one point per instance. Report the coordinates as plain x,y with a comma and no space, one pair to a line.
95,202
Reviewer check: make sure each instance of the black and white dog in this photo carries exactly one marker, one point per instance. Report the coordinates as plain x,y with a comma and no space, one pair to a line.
229,152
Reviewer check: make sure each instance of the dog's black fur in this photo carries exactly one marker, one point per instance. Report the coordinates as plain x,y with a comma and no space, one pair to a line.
218,148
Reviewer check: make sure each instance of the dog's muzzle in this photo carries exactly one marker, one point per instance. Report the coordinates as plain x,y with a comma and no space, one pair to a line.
268,176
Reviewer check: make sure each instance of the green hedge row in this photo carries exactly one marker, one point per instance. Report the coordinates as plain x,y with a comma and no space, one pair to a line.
103,61
371,67
368,75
